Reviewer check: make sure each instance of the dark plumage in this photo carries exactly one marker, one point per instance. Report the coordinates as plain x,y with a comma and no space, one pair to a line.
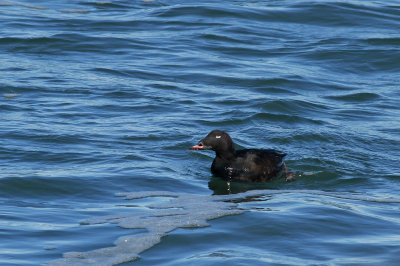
246,165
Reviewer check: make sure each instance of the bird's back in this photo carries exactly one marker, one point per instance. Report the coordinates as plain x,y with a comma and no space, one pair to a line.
251,165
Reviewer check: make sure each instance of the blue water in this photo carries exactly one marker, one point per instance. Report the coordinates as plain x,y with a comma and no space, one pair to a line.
101,100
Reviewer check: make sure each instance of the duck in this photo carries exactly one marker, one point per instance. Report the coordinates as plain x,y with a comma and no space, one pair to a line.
249,165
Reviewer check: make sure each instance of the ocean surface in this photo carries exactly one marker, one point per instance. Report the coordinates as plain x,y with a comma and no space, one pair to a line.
101,100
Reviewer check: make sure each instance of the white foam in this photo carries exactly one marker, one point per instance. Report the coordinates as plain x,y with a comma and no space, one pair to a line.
181,211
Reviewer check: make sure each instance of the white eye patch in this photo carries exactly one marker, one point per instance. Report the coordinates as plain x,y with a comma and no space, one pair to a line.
217,137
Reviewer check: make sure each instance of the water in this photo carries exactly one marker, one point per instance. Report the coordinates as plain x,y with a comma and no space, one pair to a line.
102,99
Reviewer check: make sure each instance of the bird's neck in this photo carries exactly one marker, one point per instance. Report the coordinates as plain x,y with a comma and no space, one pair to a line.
226,155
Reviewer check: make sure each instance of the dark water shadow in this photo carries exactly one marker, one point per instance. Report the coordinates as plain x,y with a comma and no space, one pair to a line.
220,186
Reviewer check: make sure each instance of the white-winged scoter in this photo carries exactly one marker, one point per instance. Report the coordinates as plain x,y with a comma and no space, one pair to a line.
256,165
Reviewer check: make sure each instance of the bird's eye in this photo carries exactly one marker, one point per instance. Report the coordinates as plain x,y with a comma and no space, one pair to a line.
218,137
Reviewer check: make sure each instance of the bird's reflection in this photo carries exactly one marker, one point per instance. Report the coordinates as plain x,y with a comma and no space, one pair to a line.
225,187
